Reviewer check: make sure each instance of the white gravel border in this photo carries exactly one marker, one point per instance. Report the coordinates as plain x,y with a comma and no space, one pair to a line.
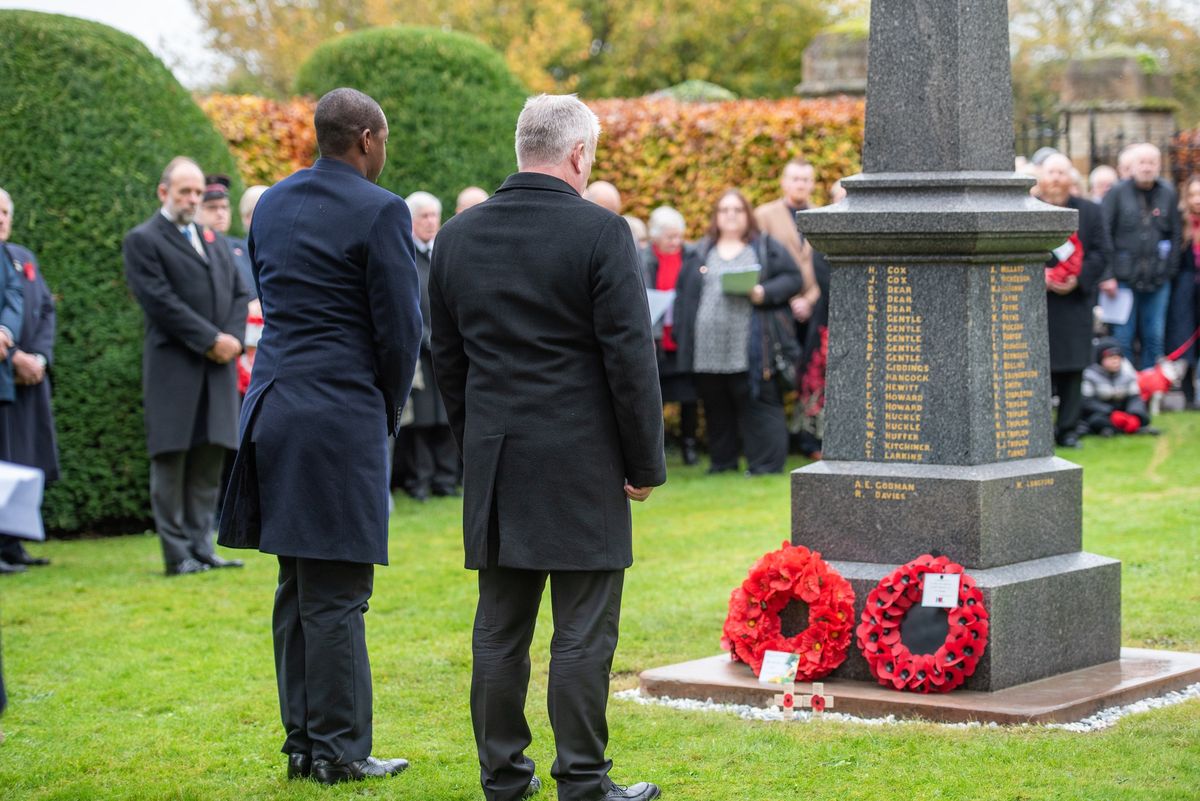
1103,719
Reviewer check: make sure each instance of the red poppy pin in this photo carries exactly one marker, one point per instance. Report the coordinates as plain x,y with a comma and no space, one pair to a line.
209,236
30,271
818,703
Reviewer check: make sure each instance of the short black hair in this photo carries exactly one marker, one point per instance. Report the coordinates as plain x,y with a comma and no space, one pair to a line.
342,115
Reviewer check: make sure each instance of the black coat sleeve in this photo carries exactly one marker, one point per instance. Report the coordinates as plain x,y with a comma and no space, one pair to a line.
394,305
12,312
449,354
782,277
621,321
159,301
1097,247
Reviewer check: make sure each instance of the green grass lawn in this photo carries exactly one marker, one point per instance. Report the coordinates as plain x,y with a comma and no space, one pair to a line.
125,684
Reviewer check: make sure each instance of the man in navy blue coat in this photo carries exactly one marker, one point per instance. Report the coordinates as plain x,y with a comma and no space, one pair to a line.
333,261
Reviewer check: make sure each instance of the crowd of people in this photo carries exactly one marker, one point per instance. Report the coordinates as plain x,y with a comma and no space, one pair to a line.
742,332
1135,254
389,353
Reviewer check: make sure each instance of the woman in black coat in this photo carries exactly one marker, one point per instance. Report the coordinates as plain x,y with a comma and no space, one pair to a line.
737,341
1070,300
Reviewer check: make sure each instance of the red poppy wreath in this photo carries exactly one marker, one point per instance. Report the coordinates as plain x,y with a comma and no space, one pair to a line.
763,612
938,668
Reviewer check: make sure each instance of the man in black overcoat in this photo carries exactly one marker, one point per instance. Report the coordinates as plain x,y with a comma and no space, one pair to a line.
195,318
543,354
28,422
333,259
1069,302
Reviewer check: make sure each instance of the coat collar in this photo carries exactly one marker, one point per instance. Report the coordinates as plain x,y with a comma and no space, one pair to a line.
336,165
170,232
536,180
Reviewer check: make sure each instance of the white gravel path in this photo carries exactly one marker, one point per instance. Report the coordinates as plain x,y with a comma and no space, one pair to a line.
1101,720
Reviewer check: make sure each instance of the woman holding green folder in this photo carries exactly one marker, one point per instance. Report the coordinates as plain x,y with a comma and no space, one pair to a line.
734,328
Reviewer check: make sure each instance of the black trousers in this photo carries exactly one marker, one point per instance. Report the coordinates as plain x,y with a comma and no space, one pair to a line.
183,496
587,609
1068,386
431,459
738,422
321,661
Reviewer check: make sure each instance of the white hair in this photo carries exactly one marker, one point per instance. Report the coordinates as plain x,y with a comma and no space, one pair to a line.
5,196
550,126
418,201
665,218
250,199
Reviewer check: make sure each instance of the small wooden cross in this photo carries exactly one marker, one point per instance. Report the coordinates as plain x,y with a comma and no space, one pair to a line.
817,700
786,701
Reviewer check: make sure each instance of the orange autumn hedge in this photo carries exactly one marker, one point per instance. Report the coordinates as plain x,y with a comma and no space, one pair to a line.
270,139
656,151
685,154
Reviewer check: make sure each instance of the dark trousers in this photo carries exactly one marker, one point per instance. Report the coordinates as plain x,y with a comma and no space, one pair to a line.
1068,386
736,421
183,496
321,662
12,549
587,609
431,459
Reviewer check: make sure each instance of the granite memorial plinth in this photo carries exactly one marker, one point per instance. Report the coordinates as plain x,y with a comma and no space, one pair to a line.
938,430
939,433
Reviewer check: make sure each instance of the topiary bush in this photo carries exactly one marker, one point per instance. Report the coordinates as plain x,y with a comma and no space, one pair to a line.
450,100
90,119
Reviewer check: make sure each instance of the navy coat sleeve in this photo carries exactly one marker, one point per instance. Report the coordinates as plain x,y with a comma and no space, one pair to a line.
235,321
394,299
449,355
621,319
13,311
160,302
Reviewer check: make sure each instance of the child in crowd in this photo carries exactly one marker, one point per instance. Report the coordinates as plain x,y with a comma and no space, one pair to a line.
1112,401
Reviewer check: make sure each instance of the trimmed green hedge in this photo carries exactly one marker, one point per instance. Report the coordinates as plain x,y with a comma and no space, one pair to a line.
90,119
450,100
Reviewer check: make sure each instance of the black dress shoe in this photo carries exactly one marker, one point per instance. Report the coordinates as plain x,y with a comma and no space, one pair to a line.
8,567
642,791
215,561
535,786
299,766
327,772
447,492
186,567
419,494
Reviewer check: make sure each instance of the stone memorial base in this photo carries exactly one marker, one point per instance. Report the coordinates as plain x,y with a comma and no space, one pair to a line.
980,516
1046,616
1138,674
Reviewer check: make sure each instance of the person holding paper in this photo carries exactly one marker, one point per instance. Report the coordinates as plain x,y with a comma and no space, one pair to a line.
1142,217
544,357
1073,272
734,330
661,263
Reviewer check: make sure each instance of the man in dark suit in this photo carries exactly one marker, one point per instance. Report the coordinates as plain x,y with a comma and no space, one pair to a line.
28,422
195,310
544,357
333,259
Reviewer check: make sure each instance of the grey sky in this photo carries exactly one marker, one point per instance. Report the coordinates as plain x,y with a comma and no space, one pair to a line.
170,28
